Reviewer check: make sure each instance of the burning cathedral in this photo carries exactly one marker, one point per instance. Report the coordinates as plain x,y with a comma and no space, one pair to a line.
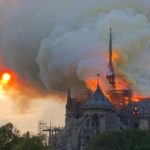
99,112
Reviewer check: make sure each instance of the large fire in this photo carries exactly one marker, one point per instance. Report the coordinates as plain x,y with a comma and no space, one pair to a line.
122,81
92,84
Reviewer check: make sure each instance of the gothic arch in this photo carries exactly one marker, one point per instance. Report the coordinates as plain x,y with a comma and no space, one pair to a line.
95,120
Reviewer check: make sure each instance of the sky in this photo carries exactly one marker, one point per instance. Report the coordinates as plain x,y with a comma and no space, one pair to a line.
48,46
48,111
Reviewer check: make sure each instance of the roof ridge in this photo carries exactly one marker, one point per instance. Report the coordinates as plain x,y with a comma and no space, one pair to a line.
99,100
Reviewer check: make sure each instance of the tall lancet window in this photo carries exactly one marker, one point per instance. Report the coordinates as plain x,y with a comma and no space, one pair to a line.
95,120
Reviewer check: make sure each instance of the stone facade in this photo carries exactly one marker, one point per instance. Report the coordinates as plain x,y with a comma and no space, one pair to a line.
95,115
98,115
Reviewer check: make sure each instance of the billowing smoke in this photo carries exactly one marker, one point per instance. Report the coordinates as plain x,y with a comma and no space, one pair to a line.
56,44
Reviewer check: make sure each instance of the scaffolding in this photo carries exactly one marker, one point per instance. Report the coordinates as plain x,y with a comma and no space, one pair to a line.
52,131
42,125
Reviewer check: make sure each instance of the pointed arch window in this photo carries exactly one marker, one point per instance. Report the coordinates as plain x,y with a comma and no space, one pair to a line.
95,120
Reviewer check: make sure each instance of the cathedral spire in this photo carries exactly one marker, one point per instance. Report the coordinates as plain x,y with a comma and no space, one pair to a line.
111,73
110,48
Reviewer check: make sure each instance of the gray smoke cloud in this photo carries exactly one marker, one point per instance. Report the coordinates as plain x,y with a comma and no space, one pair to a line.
57,44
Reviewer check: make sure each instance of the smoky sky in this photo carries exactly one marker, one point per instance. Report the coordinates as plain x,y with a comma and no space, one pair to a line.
55,44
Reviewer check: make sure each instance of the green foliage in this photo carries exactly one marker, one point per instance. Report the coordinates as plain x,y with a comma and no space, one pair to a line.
8,136
10,139
31,143
129,139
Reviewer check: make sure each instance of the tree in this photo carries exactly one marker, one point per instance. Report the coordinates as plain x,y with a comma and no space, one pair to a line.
9,136
10,139
129,139
31,143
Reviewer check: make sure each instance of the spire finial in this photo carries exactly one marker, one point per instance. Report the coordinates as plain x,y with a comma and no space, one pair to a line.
69,93
110,22
68,98
98,78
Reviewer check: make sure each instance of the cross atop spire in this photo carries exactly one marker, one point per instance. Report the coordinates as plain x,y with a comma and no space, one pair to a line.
98,77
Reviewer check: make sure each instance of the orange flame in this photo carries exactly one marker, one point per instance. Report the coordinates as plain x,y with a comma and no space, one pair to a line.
115,56
92,84
122,81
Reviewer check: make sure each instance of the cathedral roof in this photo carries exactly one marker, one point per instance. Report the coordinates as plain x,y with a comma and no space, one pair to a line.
143,106
98,100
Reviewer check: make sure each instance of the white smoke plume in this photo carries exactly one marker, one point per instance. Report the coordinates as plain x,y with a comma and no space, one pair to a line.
60,43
